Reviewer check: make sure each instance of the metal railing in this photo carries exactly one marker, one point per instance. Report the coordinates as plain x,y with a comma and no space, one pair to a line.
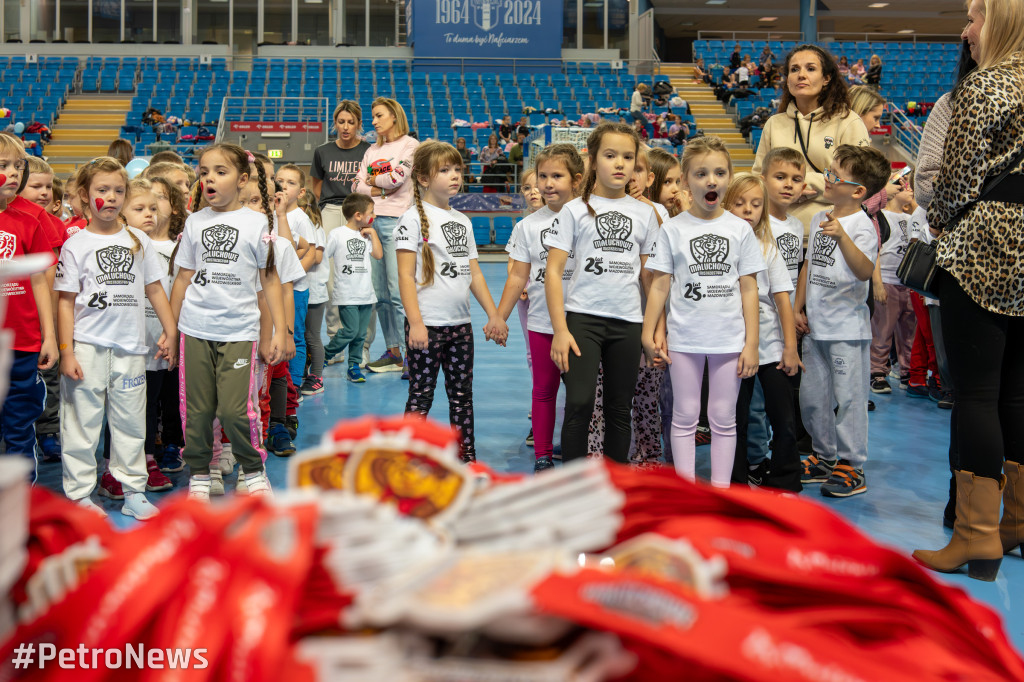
518,64
905,133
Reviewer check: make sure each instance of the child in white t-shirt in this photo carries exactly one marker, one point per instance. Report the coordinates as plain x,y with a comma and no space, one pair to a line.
704,265
319,300
351,249
596,320
779,360
559,174
894,311
437,270
831,307
224,258
105,273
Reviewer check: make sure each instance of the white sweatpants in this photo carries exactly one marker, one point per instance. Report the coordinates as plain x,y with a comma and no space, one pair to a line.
113,384
837,375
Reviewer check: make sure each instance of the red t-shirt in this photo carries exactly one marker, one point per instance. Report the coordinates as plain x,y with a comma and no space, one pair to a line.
74,225
52,227
20,235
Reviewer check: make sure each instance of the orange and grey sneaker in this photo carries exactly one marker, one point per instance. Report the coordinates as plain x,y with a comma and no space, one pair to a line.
844,481
816,469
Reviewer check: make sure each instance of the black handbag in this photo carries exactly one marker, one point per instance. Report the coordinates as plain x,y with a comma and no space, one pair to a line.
918,268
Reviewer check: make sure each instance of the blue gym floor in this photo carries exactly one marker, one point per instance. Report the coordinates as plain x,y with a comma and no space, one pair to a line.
907,471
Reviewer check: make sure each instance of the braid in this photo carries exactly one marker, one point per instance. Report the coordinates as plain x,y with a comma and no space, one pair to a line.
261,182
174,254
195,196
137,245
588,188
428,255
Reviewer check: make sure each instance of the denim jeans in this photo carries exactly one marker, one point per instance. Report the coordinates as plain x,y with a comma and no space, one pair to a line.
297,365
385,285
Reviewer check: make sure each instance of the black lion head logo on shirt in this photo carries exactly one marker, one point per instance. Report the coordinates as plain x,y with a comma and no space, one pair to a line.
356,249
614,229
220,242
115,263
789,247
821,253
456,234
710,252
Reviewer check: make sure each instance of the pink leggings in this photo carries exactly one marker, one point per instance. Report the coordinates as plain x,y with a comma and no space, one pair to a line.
723,388
546,378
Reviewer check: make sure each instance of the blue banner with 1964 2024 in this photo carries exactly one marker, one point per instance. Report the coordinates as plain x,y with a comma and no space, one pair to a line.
486,29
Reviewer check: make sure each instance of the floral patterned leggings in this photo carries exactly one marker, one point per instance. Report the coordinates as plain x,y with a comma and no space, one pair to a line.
449,349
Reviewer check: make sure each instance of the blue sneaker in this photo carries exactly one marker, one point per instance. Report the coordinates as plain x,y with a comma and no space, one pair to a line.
49,446
171,460
355,375
845,481
278,441
405,369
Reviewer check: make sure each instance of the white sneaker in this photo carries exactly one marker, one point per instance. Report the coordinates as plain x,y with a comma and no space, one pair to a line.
87,503
216,482
137,506
366,358
338,359
227,460
240,487
258,484
199,489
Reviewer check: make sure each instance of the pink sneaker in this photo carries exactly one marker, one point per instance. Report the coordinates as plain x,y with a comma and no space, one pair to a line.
157,481
110,487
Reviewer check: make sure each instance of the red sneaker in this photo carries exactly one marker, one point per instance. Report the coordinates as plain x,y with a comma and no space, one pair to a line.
110,487
157,481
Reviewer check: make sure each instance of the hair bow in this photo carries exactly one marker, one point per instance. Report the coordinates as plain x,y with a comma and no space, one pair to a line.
268,238
248,154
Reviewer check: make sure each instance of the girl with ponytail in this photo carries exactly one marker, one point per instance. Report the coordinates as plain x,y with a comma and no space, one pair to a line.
224,253
437,270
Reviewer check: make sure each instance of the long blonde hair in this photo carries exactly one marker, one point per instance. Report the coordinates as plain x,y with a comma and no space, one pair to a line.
1003,31
426,161
740,185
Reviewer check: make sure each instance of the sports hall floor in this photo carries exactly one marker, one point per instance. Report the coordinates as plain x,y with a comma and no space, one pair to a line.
907,471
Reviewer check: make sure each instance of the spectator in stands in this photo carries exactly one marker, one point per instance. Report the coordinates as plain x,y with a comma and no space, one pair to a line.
857,73
700,75
515,157
385,175
524,126
815,118
637,102
844,67
493,159
641,129
874,75
736,59
868,104
506,130
743,74
767,62
467,159
122,150
981,293
334,168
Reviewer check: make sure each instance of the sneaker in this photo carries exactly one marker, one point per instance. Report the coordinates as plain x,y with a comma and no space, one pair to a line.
759,474
894,372
157,481
388,362
366,358
87,503
258,485
138,507
336,359
904,381
199,488
880,385
312,386
935,391
227,460
529,438
946,401
240,487
216,482
405,369
49,446
816,470
355,375
291,422
467,459
543,464
171,461
278,441
917,391
871,406
110,487
703,435
845,481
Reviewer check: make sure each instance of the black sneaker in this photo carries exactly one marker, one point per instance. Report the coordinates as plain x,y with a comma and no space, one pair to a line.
816,470
871,406
946,401
880,385
917,391
759,474
543,464
934,389
292,424
904,381
845,481
529,438
703,435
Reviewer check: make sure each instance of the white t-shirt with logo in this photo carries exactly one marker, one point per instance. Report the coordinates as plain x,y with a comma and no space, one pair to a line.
109,274
154,329
528,247
891,254
775,280
349,252
607,247
301,226
446,301
706,259
836,307
226,249
319,273
789,240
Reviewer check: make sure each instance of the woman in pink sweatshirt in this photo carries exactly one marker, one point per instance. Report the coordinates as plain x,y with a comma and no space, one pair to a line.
386,175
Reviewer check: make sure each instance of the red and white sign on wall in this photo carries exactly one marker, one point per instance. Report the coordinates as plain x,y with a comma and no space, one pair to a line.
276,126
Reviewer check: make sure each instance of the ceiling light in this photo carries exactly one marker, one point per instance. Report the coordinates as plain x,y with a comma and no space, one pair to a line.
878,5
906,30
768,19
715,2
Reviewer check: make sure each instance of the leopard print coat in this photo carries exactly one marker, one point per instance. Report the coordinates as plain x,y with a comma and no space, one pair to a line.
984,250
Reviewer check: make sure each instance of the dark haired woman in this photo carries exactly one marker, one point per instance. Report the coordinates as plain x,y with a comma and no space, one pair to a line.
814,117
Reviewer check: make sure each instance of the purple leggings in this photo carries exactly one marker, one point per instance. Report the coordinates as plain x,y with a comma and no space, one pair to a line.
723,388
546,378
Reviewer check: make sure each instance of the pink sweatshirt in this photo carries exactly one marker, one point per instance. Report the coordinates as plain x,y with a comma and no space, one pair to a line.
388,166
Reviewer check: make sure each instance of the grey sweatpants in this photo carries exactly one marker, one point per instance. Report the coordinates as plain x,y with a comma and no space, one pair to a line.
837,374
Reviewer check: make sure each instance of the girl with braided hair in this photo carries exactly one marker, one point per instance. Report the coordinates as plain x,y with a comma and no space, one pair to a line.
437,270
223,255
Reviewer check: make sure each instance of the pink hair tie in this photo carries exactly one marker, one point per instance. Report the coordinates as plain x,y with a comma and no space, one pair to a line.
178,238
268,238
425,240
252,159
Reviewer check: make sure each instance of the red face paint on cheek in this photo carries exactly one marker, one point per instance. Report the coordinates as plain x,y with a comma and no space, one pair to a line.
371,220
99,204
3,179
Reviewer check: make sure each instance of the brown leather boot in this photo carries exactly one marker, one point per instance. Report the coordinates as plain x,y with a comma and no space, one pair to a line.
1011,528
975,540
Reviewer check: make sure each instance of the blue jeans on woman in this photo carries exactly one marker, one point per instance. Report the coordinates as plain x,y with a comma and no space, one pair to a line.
384,274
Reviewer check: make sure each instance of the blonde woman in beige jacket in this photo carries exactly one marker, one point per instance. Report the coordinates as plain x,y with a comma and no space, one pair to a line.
814,118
